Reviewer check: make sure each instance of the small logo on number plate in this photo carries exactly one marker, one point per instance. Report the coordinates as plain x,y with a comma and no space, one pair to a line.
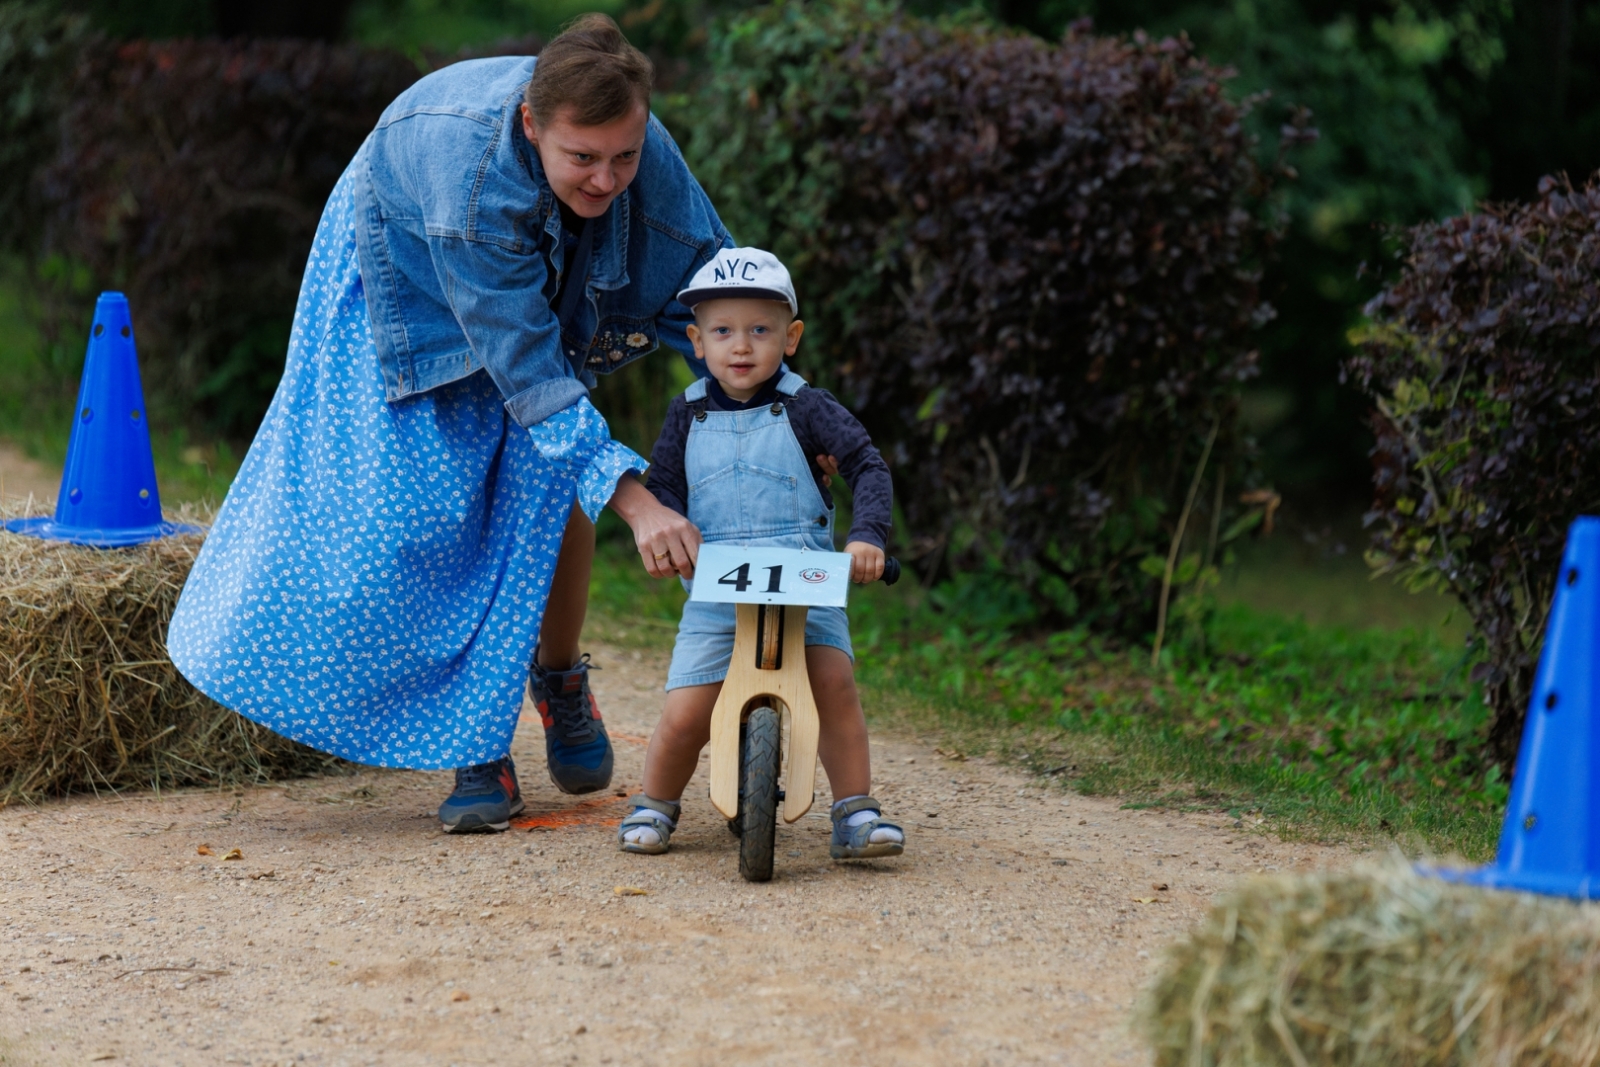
813,575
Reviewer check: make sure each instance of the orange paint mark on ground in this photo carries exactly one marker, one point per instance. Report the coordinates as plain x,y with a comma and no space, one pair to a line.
598,812
632,739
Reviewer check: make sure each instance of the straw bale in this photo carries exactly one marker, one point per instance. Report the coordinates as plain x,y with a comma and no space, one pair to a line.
88,697
1379,967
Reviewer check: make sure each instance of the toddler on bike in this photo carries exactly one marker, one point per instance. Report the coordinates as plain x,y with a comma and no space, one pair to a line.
742,456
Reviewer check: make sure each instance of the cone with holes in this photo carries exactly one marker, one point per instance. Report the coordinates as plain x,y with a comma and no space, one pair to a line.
108,493
1550,842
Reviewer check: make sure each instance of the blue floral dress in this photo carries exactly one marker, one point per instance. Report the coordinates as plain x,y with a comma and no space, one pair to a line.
374,583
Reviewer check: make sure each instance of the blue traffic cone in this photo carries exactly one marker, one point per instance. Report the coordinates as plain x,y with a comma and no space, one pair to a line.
108,491
1551,839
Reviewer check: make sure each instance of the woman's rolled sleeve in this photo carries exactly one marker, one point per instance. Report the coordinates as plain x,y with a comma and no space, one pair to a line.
541,400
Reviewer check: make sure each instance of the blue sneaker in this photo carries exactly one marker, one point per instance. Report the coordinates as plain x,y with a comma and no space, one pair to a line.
485,798
575,741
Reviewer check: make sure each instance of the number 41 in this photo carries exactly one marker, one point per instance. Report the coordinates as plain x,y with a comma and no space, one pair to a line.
739,578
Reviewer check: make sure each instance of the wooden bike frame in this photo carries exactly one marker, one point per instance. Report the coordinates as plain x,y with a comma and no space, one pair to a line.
769,661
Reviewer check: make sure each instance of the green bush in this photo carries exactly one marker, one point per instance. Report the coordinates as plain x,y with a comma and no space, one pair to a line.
38,47
1032,269
1480,358
192,174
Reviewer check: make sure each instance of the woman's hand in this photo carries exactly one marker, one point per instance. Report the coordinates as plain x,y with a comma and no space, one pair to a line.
866,562
668,543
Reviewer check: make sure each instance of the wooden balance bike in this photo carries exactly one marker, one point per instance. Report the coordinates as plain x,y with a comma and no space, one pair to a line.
766,677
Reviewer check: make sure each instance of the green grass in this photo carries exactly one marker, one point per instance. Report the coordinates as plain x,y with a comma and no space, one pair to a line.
627,605
1324,731
1328,584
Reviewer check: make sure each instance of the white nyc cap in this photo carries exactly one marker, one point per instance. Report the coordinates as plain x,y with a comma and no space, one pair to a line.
747,272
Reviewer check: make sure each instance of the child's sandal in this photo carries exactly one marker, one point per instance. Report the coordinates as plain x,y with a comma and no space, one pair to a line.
855,842
640,820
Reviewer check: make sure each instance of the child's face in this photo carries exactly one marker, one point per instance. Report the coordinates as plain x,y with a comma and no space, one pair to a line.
743,341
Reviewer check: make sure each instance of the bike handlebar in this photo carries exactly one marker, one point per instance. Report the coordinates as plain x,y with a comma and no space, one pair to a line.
891,571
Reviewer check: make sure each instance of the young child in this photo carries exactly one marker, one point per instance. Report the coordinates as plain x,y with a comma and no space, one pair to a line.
741,455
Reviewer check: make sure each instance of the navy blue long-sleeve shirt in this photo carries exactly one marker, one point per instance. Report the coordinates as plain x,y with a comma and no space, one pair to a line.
822,425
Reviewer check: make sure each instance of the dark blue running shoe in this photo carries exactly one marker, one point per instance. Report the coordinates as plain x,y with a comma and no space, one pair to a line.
575,741
485,798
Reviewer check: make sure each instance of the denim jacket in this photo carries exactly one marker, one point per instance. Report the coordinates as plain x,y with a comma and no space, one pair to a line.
460,239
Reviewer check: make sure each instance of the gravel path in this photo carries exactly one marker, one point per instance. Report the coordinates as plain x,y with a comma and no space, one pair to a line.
21,476
1018,928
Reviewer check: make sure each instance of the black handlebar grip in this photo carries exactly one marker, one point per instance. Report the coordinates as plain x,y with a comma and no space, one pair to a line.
891,571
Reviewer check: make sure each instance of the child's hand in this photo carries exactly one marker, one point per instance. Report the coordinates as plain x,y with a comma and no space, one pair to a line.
866,562
830,468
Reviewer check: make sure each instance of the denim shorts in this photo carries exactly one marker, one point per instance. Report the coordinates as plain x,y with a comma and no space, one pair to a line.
705,640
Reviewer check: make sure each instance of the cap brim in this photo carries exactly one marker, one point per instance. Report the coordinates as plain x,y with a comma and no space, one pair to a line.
690,297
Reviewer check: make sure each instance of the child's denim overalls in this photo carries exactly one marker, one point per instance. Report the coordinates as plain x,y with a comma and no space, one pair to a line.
750,484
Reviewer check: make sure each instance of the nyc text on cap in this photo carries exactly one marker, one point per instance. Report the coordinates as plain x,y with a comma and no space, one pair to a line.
741,272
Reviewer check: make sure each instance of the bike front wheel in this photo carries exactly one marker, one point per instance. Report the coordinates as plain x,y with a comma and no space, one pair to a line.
758,799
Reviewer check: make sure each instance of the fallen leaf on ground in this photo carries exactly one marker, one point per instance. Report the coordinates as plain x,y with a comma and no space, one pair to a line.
1145,900
1159,887
630,891
269,873
581,1030
234,854
460,995
204,850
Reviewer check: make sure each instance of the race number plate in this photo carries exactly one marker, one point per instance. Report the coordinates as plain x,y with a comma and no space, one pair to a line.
728,574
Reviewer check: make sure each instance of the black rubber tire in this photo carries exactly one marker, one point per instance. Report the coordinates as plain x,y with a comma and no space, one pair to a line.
758,797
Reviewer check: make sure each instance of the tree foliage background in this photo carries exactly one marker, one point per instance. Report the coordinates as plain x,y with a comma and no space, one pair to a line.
1423,106
1032,269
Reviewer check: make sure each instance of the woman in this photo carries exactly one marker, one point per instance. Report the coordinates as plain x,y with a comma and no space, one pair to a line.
414,522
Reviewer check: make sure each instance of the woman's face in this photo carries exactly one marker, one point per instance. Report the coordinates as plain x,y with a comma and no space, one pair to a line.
588,166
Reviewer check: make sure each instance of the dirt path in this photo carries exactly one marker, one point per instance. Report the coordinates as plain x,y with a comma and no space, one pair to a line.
1017,929
21,476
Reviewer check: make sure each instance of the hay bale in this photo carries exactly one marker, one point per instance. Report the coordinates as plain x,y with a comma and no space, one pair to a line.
88,697
1378,966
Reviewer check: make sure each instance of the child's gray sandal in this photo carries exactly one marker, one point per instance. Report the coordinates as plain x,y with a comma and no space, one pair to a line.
639,820
855,842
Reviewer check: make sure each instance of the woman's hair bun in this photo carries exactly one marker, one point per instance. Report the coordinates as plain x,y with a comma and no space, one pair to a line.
592,70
